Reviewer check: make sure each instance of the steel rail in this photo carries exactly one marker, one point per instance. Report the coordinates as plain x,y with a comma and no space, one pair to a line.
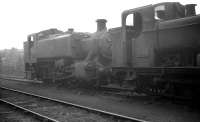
102,112
35,114
20,80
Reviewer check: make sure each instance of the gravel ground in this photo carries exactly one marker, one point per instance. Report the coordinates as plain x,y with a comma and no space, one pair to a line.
143,109
9,115
57,111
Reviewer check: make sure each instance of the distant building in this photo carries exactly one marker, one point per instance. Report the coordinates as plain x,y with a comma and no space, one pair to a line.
12,61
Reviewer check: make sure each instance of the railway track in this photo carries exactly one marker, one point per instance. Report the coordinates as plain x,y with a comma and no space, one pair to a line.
122,92
60,110
18,79
125,92
11,112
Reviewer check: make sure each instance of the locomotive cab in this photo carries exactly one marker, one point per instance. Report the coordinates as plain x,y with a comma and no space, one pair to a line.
135,37
130,31
29,74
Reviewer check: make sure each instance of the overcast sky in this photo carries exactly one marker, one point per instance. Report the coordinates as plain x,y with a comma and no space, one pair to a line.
22,17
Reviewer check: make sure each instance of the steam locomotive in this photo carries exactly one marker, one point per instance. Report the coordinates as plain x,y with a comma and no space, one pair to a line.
157,53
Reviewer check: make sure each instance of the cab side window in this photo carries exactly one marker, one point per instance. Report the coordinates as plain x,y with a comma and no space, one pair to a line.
130,20
159,12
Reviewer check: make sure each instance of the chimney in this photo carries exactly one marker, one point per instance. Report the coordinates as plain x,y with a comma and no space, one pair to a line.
190,10
70,30
101,24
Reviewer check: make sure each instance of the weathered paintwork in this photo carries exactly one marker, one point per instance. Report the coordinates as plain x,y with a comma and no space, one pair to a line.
139,44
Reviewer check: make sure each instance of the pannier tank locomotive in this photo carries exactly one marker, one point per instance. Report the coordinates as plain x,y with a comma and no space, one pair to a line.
156,53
